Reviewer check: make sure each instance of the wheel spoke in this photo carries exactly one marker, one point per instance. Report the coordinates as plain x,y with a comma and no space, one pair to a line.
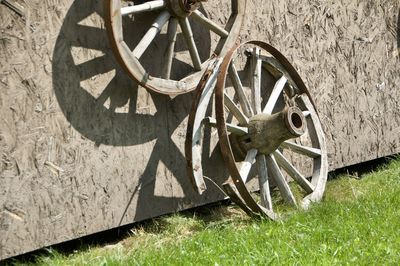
237,130
169,55
151,34
275,172
275,68
237,84
263,181
304,150
306,113
199,17
188,34
293,172
256,80
276,92
243,120
247,163
148,6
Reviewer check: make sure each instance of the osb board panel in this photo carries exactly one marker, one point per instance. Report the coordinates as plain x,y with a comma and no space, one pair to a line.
83,149
348,54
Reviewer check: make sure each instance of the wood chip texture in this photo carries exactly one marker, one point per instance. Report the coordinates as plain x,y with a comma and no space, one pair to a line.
84,149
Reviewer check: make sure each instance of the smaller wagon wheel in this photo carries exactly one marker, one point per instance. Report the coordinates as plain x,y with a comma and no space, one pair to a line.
175,14
273,118
268,128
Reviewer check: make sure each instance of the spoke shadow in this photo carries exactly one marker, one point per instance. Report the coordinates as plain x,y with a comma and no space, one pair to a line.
398,32
92,109
100,102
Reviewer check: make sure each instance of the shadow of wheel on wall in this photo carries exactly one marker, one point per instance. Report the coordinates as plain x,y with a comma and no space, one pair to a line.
94,93
100,101
398,33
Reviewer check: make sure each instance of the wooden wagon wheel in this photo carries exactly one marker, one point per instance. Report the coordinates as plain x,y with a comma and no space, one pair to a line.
174,13
266,123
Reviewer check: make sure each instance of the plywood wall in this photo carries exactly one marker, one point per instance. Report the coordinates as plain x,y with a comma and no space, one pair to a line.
84,149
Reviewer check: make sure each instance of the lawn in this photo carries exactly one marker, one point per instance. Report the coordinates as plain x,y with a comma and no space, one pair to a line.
357,223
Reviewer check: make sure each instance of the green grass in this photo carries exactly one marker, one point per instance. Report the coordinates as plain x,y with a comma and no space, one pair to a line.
358,223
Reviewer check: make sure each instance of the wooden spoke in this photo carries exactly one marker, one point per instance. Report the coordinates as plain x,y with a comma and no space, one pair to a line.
115,12
151,34
275,172
293,172
188,34
243,120
276,69
306,113
263,182
237,84
276,92
148,6
237,130
247,163
307,151
199,17
256,80
169,55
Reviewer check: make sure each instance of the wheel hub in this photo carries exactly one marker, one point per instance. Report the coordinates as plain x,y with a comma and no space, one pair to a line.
183,8
267,132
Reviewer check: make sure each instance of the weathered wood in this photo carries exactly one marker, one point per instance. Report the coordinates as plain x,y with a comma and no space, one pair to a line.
187,32
306,113
276,70
198,127
14,6
198,16
318,137
237,84
151,34
276,174
247,164
156,81
293,172
237,113
308,151
125,164
234,195
255,81
273,98
170,52
263,181
148,6
237,130
234,24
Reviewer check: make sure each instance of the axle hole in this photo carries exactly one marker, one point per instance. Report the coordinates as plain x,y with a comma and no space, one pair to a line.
296,120
247,140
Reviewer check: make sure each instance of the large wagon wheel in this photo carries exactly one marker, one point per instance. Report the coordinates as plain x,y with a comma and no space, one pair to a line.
266,123
174,13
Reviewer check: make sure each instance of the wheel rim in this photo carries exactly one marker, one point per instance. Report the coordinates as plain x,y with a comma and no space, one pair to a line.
174,13
271,162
